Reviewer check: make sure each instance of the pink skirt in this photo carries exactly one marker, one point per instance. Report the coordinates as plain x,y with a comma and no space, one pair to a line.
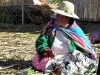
40,63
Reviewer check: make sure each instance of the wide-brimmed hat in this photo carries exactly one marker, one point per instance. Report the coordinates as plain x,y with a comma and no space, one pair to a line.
66,8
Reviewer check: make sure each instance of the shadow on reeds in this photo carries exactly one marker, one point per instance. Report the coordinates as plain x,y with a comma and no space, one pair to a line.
31,28
15,64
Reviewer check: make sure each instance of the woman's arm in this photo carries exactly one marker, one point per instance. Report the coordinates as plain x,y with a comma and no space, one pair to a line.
42,44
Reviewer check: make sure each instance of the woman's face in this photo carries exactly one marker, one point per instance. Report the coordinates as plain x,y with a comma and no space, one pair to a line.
62,20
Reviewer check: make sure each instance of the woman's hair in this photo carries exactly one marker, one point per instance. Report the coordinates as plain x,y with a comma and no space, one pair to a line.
71,21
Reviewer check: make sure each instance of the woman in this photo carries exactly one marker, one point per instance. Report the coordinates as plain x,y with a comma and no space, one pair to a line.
62,46
94,37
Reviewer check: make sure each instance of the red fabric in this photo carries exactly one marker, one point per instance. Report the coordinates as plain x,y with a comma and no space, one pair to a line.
58,70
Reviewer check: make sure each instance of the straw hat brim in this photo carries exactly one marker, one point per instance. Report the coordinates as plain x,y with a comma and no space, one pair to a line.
64,13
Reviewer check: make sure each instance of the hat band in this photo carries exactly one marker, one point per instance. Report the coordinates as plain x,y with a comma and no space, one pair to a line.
66,10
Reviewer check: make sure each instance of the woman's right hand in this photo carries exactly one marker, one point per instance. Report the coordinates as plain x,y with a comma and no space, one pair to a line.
52,54
49,53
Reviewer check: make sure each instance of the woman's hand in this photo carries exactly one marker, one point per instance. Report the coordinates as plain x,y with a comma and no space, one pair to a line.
95,37
49,53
